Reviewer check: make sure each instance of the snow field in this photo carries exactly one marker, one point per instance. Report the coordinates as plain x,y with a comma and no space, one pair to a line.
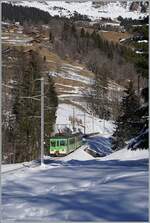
89,190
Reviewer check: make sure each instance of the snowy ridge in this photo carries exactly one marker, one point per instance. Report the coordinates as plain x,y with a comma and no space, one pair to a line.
67,8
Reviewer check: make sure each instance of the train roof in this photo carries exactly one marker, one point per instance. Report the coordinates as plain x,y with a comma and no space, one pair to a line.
64,136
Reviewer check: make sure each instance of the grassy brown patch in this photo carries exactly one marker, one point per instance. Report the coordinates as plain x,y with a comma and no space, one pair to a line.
114,36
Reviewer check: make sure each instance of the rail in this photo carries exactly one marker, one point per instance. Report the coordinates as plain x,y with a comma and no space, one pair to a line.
91,134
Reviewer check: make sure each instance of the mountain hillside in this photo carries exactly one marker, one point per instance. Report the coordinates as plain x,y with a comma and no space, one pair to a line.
93,9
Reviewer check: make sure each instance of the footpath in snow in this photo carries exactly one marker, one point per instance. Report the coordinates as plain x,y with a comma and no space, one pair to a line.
79,187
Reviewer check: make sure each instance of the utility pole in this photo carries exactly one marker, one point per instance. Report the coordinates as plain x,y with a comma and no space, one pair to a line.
84,124
138,84
42,121
93,122
0,117
104,125
73,121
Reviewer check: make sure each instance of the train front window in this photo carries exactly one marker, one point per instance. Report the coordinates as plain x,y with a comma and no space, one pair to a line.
53,143
57,142
62,142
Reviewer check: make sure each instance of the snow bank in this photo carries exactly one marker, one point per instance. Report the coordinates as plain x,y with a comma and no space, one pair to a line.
78,154
125,154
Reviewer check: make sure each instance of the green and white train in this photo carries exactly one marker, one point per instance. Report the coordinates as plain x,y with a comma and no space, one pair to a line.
63,145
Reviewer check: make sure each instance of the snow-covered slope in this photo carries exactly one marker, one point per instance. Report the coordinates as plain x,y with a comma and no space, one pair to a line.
93,11
89,190
78,187
127,154
92,124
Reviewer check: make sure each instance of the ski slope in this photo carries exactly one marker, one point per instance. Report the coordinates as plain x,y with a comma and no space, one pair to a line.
78,187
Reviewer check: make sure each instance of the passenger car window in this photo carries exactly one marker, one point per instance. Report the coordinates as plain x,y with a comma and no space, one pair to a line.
53,143
62,143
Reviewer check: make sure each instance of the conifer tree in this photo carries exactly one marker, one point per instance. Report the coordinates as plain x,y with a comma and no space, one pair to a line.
51,38
141,140
82,33
73,30
28,111
25,108
50,104
127,124
99,94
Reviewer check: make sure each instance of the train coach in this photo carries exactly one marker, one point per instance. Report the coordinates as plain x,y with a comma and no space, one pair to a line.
63,145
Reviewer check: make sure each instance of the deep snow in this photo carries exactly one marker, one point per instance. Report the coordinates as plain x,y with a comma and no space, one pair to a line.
78,191
78,187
